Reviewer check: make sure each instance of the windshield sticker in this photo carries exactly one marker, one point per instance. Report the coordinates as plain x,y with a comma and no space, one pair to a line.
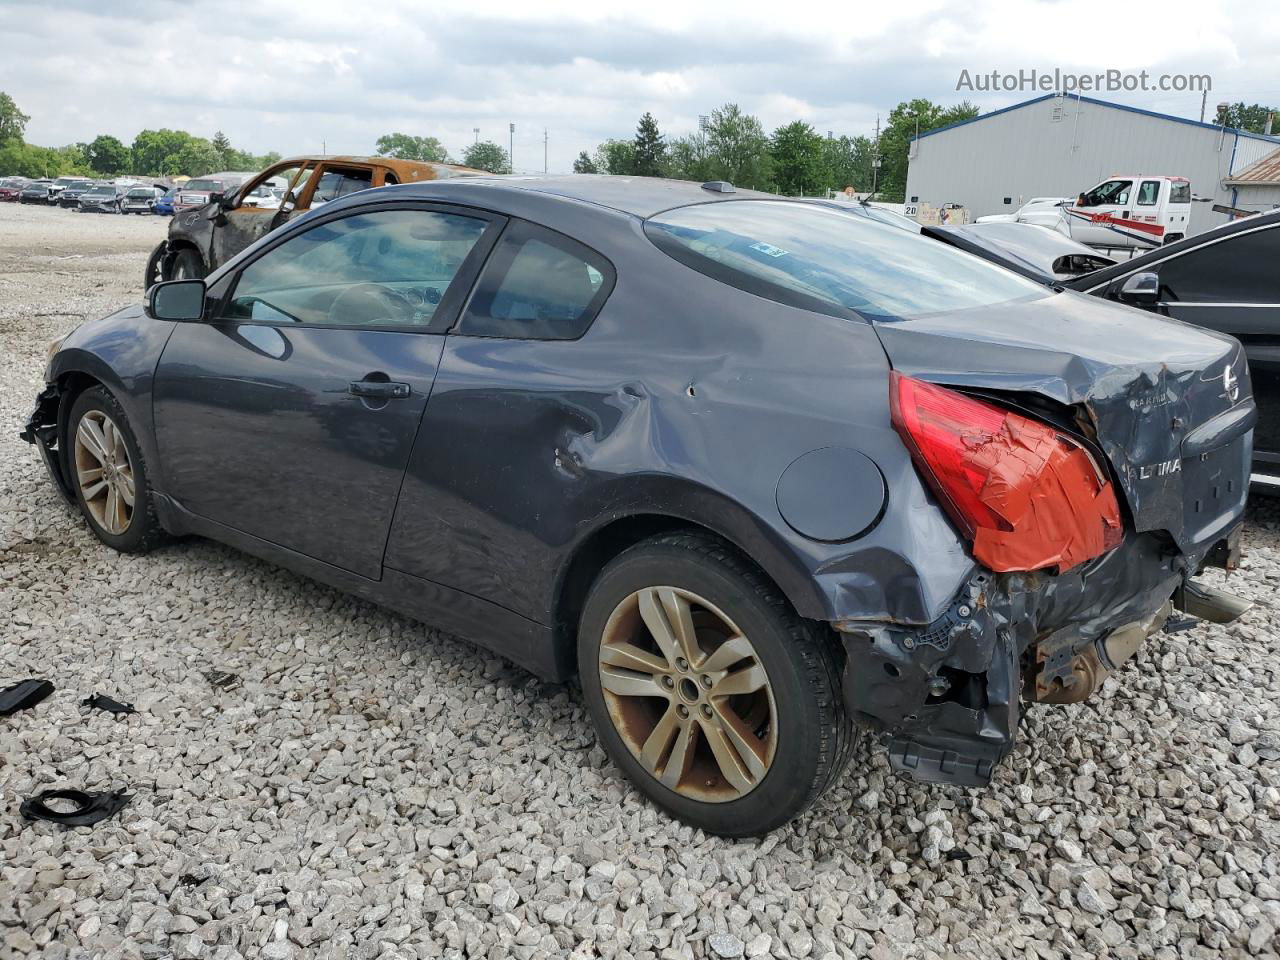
768,249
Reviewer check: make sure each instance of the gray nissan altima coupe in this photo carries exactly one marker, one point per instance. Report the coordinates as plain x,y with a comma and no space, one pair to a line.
756,471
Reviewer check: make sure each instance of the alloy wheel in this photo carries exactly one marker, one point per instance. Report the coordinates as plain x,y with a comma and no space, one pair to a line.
104,472
688,694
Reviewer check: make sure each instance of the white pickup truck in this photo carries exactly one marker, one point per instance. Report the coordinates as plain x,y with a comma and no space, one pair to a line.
1133,211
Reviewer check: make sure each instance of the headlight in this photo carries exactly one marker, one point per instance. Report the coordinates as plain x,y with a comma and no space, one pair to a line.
49,352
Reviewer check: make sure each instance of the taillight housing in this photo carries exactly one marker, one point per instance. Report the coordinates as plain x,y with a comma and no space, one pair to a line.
1025,495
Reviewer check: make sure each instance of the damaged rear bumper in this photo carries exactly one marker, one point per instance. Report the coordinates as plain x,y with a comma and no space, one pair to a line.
42,429
946,698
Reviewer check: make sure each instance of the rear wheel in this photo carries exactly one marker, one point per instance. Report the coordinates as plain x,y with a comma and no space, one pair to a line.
109,474
707,690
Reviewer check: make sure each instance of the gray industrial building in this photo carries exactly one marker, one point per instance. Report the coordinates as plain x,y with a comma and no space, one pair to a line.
1059,145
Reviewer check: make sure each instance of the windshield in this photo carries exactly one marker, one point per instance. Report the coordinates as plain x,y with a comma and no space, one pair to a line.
203,185
99,191
143,192
818,259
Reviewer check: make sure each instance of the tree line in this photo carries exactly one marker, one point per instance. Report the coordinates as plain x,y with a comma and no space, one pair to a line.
155,153
794,160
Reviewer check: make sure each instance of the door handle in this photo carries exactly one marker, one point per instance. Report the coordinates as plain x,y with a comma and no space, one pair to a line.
379,389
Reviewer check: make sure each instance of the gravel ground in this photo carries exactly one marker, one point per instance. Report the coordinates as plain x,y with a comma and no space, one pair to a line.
372,788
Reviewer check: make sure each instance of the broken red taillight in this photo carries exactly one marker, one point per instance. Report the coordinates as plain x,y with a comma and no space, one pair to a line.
1027,496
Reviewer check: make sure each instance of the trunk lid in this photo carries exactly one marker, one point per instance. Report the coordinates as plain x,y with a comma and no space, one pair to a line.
1169,404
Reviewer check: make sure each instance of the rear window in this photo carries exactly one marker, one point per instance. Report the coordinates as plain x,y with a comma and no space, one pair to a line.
820,259
203,185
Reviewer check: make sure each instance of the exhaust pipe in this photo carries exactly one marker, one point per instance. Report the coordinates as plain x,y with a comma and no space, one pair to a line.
1209,603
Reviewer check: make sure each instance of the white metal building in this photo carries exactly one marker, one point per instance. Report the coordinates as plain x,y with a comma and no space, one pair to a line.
1061,145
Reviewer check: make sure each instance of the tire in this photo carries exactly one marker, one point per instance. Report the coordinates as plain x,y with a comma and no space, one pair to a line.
800,733
155,266
187,265
141,531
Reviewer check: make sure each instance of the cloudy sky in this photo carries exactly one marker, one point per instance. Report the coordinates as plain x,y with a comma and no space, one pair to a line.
293,76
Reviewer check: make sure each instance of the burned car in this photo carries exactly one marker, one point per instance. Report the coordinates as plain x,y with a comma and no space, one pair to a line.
215,222
752,468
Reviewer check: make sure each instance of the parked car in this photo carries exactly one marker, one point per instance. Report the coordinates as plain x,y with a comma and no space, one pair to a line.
71,193
37,191
1225,279
199,191
1037,253
202,240
164,205
752,468
140,200
1034,205
102,198
61,184
11,187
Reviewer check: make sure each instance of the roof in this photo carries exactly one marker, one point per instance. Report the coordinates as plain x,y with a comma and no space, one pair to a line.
639,196
1265,172
406,170
1101,103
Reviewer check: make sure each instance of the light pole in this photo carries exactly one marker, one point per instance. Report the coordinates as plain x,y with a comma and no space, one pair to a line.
511,148
476,131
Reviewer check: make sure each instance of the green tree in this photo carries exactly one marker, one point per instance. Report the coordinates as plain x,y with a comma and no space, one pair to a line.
155,151
689,158
906,121
13,122
799,160
617,157
649,149
1252,118
222,144
486,155
584,164
738,148
404,146
197,158
848,162
107,155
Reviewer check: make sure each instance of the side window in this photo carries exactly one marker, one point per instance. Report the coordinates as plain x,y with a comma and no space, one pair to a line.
1113,191
389,268
1148,193
339,183
1180,192
1235,270
539,285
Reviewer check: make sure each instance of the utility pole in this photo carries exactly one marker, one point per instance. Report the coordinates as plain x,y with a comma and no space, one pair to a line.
476,131
544,149
875,157
323,148
511,148
1204,99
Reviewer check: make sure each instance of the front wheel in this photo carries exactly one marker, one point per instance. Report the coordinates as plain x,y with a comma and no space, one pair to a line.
109,474
187,265
707,690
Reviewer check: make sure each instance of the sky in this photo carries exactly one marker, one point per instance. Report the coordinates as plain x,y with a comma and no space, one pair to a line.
308,76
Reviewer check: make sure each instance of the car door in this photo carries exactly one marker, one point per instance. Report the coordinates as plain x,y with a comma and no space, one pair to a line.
290,414
237,228
1232,284
1090,215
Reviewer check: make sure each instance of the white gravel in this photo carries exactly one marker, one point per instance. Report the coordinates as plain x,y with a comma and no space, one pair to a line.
372,788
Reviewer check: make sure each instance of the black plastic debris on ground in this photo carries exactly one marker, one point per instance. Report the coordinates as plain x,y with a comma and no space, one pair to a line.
102,702
90,807
221,679
23,694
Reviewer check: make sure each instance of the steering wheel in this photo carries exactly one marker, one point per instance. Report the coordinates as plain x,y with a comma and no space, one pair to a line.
370,303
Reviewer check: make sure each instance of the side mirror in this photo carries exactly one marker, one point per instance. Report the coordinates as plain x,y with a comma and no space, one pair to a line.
1141,289
176,300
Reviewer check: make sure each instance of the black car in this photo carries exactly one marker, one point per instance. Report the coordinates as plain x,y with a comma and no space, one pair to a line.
1226,279
37,191
70,195
753,469
103,198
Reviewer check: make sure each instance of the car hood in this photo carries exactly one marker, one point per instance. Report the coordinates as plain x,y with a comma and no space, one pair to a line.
1168,404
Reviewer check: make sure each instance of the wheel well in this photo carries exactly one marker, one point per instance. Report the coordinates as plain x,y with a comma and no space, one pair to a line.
72,385
601,547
